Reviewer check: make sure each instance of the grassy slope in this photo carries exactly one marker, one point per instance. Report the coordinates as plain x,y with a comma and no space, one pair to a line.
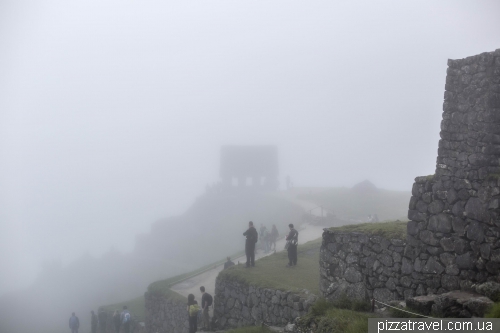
346,203
389,230
271,271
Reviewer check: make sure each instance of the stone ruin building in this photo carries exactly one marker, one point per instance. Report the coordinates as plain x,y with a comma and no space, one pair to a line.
453,236
253,167
454,228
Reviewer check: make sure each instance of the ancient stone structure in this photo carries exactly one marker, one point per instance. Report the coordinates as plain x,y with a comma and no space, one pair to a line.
453,239
249,166
455,214
361,266
239,304
166,314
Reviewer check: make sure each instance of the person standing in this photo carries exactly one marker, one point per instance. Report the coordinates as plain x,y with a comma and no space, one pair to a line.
252,237
192,309
93,322
102,321
292,241
116,321
228,263
74,323
206,303
125,318
274,236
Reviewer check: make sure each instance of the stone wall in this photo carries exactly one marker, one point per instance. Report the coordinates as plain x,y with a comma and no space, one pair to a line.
239,304
362,266
166,314
455,215
453,239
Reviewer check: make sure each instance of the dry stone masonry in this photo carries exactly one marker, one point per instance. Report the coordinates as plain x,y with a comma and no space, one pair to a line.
455,215
238,304
453,239
166,314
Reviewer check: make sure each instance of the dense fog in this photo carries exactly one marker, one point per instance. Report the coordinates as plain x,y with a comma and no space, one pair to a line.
113,115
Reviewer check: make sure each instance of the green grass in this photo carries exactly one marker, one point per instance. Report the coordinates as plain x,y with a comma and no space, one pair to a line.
351,204
270,271
325,317
135,306
494,311
389,230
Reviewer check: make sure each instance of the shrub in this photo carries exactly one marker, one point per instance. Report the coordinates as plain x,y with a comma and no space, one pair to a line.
494,311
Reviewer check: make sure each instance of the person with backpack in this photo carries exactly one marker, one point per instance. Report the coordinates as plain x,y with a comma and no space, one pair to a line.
74,323
116,321
192,310
125,318
292,241
206,303
93,322
252,238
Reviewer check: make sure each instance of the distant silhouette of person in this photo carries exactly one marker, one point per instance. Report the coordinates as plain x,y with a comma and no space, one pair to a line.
228,263
265,237
292,243
252,238
375,218
102,321
273,237
206,303
116,321
125,318
261,230
74,323
93,322
192,310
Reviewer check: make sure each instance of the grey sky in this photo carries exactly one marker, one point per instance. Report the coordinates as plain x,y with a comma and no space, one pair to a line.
112,113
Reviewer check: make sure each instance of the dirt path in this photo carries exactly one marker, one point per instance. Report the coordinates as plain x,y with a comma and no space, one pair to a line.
207,279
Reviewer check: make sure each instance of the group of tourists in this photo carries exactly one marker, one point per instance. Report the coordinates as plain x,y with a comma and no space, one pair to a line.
120,320
252,237
268,238
195,313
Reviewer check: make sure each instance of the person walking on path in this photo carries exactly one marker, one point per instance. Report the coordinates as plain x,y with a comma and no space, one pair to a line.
93,322
116,321
274,236
265,237
125,319
192,309
292,240
206,303
228,263
102,321
74,323
252,238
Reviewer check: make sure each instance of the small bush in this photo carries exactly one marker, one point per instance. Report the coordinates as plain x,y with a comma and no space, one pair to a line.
320,307
494,311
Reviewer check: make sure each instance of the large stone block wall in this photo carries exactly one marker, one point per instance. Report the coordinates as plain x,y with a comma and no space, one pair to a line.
455,215
362,266
238,304
453,239
166,314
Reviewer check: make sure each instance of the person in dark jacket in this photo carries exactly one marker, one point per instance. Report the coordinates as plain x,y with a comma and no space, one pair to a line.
74,323
192,309
93,322
228,263
292,241
116,321
252,238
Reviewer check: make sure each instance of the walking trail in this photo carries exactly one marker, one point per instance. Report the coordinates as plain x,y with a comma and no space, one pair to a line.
192,286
